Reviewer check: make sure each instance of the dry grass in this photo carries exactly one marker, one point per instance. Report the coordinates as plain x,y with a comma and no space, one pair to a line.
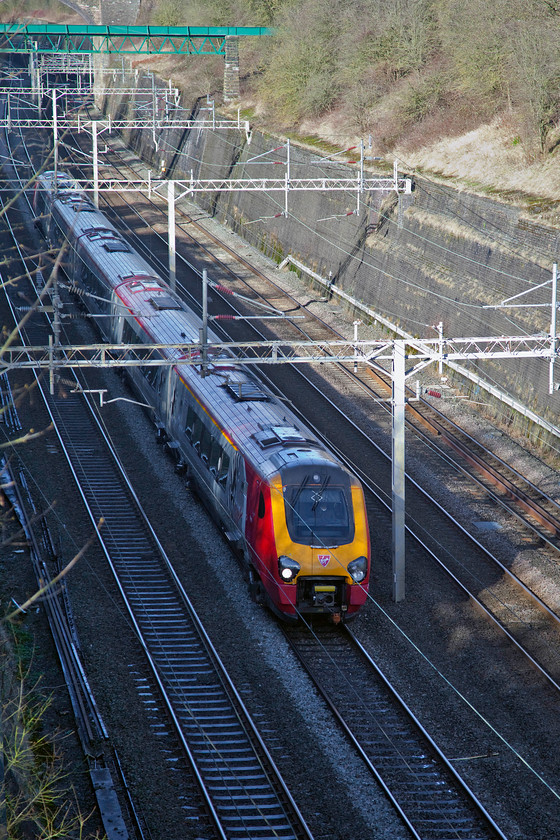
490,159
493,156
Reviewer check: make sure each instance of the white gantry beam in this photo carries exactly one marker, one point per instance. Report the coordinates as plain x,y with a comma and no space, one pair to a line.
275,352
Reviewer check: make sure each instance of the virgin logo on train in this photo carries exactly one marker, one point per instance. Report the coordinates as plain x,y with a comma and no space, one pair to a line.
323,559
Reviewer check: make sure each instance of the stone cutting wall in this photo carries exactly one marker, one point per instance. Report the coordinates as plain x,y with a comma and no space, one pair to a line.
441,256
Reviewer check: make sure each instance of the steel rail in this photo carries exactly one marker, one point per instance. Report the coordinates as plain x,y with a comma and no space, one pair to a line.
221,244
102,757
514,579
430,796
471,596
309,341
176,646
514,495
545,608
90,726
473,599
91,730
243,789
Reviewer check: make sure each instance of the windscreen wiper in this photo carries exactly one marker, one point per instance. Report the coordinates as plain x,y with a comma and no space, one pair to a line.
299,491
319,494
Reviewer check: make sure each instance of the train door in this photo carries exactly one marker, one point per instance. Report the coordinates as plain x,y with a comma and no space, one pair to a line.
116,320
237,492
168,398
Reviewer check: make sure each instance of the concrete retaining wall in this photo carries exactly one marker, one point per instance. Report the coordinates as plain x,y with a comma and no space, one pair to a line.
441,255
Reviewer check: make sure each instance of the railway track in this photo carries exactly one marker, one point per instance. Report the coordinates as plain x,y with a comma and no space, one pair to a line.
505,485
431,797
529,620
104,766
241,792
242,788
459,551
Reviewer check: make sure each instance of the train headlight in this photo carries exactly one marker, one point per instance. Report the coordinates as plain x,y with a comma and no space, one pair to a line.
358,569
287,568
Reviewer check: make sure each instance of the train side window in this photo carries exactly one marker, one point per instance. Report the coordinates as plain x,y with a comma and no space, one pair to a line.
189,426
177,402
151,372
223,469
215,456
197,433
128,333
205,445
262,507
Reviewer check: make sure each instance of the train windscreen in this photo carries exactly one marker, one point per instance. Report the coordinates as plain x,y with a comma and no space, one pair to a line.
319,507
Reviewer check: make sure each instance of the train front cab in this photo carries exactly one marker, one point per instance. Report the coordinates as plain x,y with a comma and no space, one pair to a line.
319,564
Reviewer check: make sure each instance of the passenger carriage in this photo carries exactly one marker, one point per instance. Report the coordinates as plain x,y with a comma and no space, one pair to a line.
292,511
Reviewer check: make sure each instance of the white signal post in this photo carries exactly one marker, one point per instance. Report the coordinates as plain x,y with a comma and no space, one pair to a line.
95,164
554,308
55,134
171,234
356,324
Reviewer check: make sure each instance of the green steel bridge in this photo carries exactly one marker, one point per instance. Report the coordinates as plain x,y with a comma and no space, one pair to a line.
143,40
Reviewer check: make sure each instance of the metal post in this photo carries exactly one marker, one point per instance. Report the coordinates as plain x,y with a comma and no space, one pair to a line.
55,135
204,328
32,77
51,366
356,325
398,470
361,183
154,111
287,177
553,329
95,163
171,234
57,306
36,76
39,85
440,361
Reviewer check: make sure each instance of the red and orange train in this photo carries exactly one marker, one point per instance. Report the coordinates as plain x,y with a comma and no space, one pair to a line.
292,511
